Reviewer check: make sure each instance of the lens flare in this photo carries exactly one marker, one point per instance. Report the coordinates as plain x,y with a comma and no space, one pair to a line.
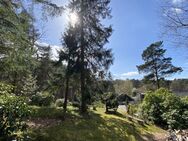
73,18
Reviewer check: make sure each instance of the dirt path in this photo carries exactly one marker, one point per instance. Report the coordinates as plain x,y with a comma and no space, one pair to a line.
160,136
155,137
41,122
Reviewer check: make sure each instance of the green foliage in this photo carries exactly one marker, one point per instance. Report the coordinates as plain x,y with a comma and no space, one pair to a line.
59,102
98,127
17,57
47,99
36,99
45,68
185,99
13,112
5,89
18,44
98,104
156,66
132,109
42,99
166,109
46,112
54,83
88,54
30,86
75,104
111,102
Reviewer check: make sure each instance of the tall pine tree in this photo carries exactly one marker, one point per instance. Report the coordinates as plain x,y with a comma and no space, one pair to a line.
17,61
156,65
70,54
94,58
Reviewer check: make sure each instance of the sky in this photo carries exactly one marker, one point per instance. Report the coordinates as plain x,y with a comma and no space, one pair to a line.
136,24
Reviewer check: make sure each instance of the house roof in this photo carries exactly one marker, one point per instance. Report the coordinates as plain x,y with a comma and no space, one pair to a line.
124,97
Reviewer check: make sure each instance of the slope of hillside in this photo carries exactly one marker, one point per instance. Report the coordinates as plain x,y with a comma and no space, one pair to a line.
97,126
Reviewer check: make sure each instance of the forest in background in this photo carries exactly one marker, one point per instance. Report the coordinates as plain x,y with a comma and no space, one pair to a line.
178,86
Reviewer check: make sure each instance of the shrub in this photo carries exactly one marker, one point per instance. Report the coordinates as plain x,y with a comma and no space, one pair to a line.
132,109
165,109
98,104
42,99
76,104
151,108
5,89
185,99
47,99
111,102
59,102
36,99
13,112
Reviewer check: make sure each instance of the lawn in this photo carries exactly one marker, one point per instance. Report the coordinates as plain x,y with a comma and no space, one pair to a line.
96,126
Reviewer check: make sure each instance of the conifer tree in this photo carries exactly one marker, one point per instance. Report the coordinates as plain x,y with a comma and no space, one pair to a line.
70,55
156,65
29,86
94,58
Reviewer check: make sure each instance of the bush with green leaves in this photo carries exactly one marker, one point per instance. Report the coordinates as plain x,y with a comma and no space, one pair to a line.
36,99
13,113
165,109
59,102
6,89
132,109
98,104
75,104
111,102
42,99
185,99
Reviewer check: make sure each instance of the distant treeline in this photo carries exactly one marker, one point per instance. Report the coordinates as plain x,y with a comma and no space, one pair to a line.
179,86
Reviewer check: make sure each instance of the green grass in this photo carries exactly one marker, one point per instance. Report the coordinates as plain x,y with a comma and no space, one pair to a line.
52,112
96,126
46,112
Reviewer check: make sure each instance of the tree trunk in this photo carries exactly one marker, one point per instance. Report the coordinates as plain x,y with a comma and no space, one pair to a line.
156,74
15,83
66,94
83,98
157,80
158,84
82,75
106,108
66,87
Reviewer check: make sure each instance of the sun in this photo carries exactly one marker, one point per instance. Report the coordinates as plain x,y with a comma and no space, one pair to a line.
73,18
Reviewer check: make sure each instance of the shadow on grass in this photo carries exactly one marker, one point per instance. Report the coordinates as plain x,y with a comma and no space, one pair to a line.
53,112
128,117
90,127
116,114
46,112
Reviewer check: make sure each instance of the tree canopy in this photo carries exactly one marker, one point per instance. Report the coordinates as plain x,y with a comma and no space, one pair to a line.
156,65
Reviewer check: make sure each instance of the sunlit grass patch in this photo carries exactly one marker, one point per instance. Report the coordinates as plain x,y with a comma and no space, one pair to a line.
96,126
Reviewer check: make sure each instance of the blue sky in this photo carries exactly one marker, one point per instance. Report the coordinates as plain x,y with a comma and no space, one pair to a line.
136,24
